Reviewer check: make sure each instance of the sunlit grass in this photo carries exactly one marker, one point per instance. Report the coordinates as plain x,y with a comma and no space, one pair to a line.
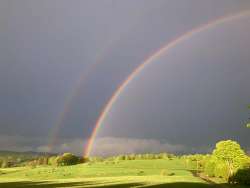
136,172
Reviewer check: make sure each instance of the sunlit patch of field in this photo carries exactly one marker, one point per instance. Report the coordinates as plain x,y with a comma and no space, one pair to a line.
100,169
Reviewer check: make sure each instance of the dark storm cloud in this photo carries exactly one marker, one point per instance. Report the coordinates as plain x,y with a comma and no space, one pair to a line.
195,95
46,45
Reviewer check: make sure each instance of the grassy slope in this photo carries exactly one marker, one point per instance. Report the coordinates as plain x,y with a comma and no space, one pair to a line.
101,169
138,173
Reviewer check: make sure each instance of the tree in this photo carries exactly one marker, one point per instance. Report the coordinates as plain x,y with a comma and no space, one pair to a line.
52,160
230,153
210,167
248,124
67,159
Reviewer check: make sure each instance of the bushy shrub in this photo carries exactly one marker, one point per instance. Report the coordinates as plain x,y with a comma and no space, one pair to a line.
164,172
140,173
203,162
242,176
197,161
171,174
83,159
52,161
120,158
209,167
67,159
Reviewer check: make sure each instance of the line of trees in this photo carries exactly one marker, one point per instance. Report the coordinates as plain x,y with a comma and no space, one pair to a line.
33,161
65,159
14,159
146,156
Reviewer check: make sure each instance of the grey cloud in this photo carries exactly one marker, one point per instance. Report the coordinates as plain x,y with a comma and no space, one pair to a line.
114,146
75,146
46,45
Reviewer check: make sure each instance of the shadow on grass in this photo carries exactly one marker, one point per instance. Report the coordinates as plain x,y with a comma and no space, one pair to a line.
183,185
45,184
42,184
30,184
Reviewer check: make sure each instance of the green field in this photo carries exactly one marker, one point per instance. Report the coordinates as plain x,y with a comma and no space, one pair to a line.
134,173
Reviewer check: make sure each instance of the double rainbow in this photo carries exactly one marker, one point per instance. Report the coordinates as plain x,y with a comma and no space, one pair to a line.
149,60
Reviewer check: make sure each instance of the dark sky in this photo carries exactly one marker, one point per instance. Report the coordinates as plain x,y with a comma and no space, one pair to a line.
187,100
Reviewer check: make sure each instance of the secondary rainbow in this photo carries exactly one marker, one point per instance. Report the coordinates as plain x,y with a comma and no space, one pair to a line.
149,60
53,136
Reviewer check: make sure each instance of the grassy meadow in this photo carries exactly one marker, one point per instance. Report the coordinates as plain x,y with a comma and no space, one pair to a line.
172,173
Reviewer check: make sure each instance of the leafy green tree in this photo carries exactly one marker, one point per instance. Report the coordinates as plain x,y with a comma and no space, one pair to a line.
231,154
67,159
221,170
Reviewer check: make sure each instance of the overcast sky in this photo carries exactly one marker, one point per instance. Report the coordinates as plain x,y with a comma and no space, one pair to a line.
187,100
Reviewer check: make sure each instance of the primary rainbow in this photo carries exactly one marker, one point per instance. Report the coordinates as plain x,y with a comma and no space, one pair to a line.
147,61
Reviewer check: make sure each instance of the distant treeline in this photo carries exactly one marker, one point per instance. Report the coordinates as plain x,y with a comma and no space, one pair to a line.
14,159
147,156
37,159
